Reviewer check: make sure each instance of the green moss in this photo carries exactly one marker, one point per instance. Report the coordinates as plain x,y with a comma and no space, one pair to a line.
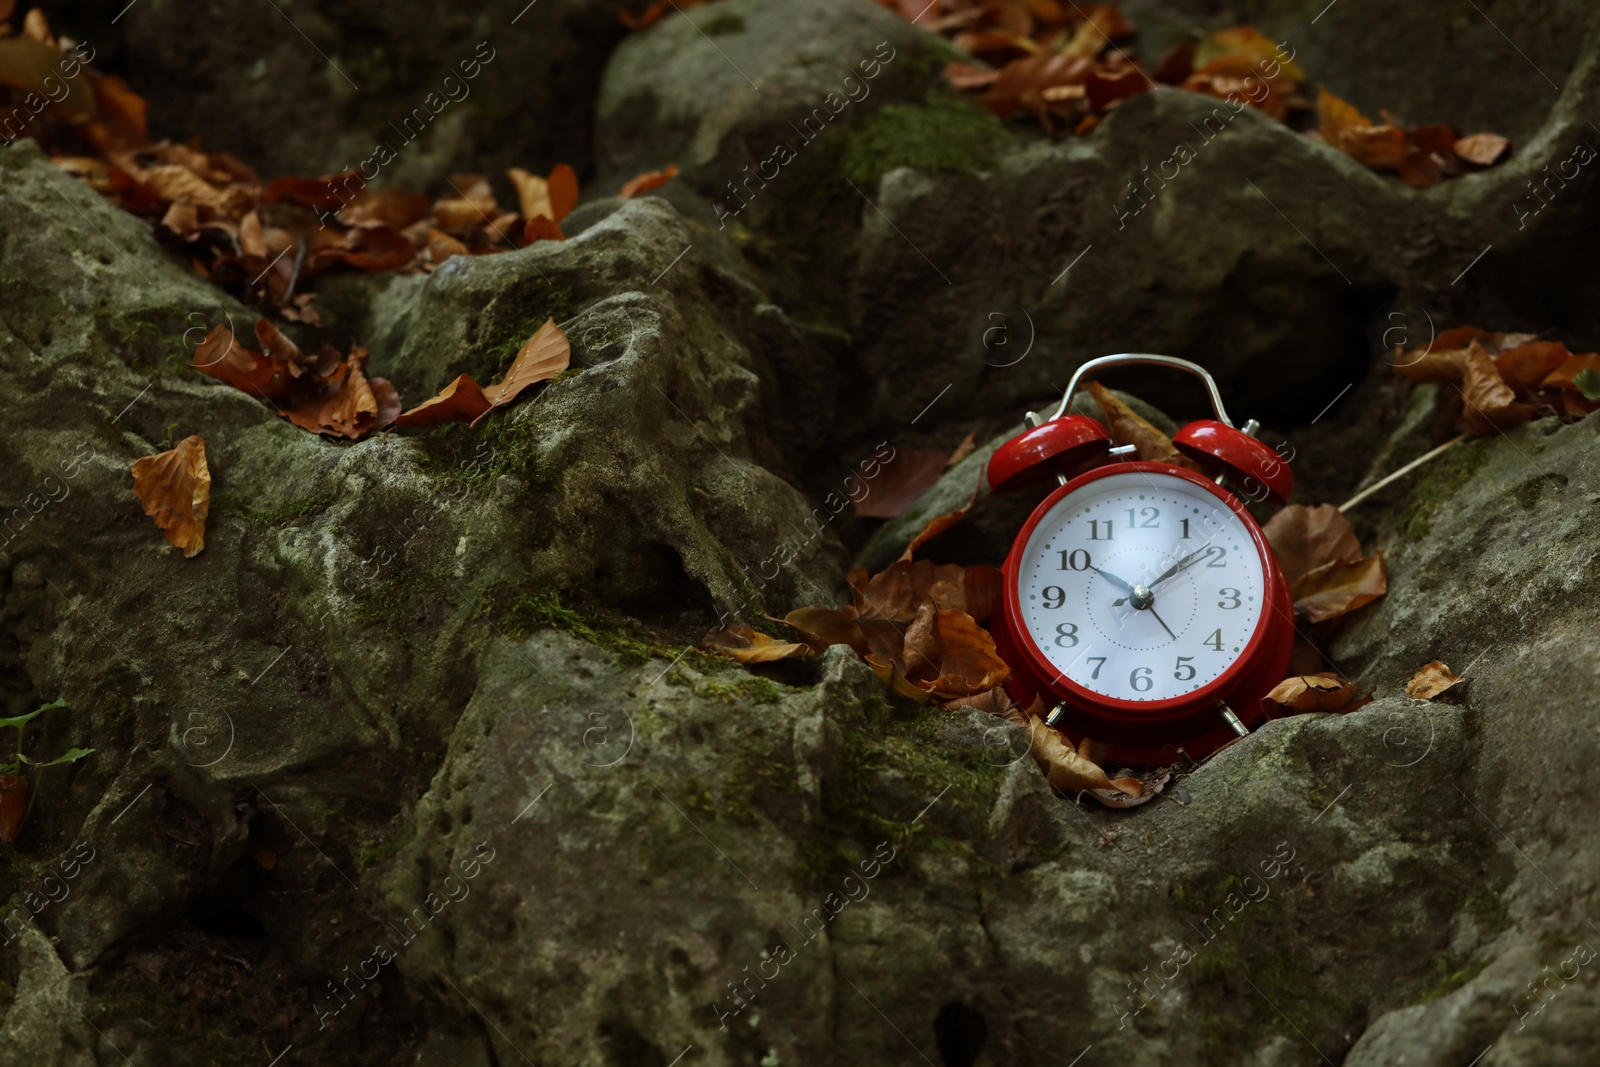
544,610
947,133
1439,482
737,689
284,514
1449,975
1488,907
722,25
554,301
698,798
375,850
959,780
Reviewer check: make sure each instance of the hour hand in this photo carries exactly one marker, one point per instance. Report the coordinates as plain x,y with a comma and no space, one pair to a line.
1114,580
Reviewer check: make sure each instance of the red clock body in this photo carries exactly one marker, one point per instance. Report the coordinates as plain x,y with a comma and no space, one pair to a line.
1144,600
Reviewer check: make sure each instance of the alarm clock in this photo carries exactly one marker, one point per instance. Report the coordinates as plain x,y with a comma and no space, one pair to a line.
1141,602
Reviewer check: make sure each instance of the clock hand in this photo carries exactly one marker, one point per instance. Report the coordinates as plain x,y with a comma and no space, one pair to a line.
1163,623
1114,580
1183,564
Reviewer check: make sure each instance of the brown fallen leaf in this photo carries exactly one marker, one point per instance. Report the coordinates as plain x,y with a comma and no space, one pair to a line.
543,356
951,655
14,790
753,646
472,205
909,473
175,488
1064,767
1482,149
385,207
1305,538
1128,427
1313,692
1490,405
899,592
1526,367
441,246
1347,129
1430,680
552,198
968,445
939,524
460,401
822,627
222,356
651,179
968,75
1338,588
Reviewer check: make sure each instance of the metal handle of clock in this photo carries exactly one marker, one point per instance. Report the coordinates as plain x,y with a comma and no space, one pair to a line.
1149,359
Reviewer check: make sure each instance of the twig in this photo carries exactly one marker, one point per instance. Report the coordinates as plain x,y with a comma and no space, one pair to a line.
1401,473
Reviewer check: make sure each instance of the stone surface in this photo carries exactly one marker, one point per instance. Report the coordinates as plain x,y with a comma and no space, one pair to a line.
413,763
1263,254
314,86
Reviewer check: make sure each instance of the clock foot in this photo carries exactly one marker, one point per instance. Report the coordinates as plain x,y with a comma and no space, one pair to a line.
1233,722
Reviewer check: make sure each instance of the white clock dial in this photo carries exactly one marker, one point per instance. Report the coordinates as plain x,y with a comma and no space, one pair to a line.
1141,586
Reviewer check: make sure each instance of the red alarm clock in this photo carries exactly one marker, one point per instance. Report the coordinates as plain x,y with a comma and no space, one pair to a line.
1141,601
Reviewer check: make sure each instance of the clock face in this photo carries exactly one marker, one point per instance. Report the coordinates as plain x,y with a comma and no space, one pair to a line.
1141,586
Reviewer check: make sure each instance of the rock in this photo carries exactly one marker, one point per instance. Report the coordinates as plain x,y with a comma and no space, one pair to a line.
1488,554
314,87
410,765
366,577
1089,245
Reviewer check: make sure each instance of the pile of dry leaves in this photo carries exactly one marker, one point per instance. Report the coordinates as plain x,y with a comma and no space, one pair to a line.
920,625
1068,64
1501,380
264,240
328,393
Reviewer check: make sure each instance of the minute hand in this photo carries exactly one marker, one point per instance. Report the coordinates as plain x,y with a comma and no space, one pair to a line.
1181,565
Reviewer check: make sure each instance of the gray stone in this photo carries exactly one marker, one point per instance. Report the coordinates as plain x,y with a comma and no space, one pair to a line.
315,86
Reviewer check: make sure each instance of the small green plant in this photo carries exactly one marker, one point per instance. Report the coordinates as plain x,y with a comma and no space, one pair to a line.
14,765
15,788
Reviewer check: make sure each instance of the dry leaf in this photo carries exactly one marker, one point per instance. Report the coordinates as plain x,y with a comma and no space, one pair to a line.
1351,132
901,482
650,179
969,76
175,488
899,592
1065,768
1305,538
939,524
1431,680
1526,367
1313,692
460,401
1129,428
1490,404
552,198
1338,588
441,246
968,445
952,655
822,627
224,358
753,646
1483,149
543,356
